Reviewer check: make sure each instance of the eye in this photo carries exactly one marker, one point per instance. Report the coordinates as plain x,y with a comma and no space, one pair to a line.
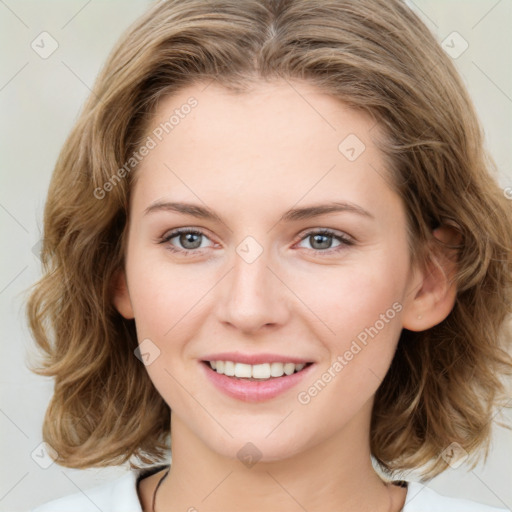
322,240
187,240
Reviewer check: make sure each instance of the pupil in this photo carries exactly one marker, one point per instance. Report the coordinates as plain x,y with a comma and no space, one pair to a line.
187,238
325,244
319,241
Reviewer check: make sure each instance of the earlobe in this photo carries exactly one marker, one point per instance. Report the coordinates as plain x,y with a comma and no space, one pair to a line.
121,295
433,298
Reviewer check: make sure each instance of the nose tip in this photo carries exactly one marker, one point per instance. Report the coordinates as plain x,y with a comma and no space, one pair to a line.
254,297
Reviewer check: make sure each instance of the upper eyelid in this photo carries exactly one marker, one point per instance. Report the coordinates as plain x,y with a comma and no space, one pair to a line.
344,237
178,231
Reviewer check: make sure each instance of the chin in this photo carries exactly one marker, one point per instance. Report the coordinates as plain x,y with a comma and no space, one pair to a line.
251,446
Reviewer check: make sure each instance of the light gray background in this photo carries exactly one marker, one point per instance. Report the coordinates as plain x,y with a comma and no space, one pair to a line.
40,100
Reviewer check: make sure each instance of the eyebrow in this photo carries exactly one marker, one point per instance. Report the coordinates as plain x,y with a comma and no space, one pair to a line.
295,214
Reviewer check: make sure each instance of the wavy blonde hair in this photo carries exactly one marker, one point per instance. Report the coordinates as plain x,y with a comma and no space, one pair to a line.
376,56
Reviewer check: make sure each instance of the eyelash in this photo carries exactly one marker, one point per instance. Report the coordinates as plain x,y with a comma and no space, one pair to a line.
344,240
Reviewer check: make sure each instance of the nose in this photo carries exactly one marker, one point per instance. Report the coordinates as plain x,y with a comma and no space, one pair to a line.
254,295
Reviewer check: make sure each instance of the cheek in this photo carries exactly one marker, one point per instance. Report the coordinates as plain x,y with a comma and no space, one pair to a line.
362,307
349,299
165,296
367,328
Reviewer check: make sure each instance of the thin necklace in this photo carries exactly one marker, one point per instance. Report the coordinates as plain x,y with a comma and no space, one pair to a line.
156,489
167,472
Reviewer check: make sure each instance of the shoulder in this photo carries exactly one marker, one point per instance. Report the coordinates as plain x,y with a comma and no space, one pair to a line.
422,499
120,495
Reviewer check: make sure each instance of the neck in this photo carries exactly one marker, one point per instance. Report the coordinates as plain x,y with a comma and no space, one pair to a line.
334,475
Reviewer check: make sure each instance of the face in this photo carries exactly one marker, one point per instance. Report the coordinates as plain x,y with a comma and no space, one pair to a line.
262,231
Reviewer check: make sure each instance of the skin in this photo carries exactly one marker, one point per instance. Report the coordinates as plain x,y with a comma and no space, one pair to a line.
250,158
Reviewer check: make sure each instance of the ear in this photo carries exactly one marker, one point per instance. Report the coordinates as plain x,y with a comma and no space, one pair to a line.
433,297
121,296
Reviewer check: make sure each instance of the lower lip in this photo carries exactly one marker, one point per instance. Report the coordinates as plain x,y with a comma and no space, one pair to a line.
253,390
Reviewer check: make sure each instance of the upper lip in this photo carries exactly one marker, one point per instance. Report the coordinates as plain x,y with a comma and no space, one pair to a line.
238,357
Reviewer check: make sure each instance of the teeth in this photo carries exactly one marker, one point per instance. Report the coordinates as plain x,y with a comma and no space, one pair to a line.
289,368
243,370
256,371
276,369
261,371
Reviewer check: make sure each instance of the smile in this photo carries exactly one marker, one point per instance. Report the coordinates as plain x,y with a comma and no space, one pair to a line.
262,371
257,382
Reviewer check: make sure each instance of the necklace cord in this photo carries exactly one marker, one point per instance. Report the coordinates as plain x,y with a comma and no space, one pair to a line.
399,483
156,489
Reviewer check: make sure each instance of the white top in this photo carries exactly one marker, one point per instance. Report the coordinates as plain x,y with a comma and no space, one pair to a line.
120,495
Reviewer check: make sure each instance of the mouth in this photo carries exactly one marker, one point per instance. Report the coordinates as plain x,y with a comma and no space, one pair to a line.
256,372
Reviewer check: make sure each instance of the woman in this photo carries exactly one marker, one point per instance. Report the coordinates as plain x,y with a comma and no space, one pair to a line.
273,246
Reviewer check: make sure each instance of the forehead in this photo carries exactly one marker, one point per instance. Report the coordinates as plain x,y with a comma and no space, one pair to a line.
281,111
280,140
